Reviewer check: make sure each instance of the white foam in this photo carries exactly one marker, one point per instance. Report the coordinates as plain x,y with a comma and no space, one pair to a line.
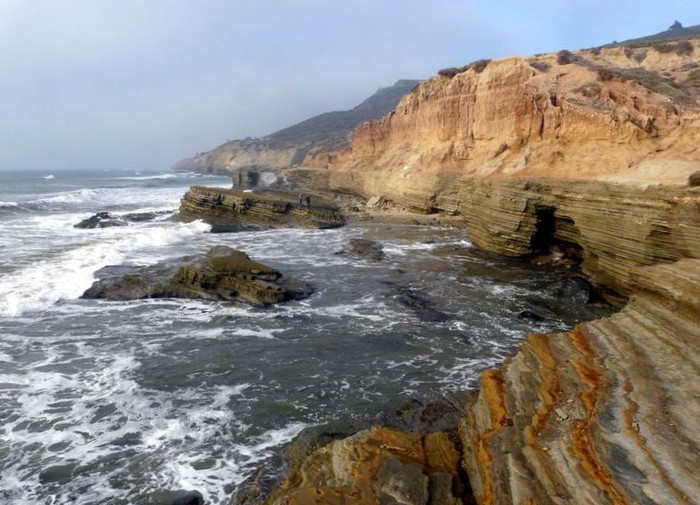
49,177
149,177
67,276
8,205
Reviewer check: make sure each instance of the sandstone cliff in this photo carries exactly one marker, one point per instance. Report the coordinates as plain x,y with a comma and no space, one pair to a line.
618,114
291,146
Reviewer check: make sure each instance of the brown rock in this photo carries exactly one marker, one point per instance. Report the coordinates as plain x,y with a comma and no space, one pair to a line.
232,210
694,179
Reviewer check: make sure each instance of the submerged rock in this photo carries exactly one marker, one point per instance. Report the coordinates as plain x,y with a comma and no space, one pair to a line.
363,248
101,220
179,497
530,315
109,220
222,274
420,305
233,210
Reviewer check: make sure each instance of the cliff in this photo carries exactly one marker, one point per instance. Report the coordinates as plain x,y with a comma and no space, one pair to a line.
588,156
290,146
619,114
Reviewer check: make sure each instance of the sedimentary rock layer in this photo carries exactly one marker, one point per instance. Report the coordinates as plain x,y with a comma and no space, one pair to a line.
608,413
229,209
616,227
605,114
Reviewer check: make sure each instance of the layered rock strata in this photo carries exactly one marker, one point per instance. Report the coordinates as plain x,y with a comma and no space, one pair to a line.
411,457
613,228
228,209
608,413
222,274
604,114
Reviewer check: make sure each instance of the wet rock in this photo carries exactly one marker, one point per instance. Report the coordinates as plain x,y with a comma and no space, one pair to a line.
429,426
229,209
109,220
177,497
420,305
366,249
377,465
532,316
101,220
58,473
222,274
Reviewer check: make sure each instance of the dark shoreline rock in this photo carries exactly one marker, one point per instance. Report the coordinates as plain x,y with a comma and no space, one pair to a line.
233,210
109,220
222,274
365,249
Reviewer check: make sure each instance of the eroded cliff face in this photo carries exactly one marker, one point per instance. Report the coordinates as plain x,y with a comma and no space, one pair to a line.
603,114
613,228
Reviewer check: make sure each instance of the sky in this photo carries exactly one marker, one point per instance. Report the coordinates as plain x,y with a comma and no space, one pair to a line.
140,84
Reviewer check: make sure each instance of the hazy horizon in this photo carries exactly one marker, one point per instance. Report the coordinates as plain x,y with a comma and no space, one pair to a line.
139,85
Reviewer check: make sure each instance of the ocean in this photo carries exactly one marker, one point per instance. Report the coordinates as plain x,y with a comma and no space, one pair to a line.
111,402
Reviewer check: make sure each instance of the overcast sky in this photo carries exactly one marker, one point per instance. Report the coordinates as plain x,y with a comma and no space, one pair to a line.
139,84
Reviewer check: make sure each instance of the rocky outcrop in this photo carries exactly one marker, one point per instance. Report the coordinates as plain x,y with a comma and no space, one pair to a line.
366,249
605,414
222,274
292,145
232,210
411,456
380,465
613,228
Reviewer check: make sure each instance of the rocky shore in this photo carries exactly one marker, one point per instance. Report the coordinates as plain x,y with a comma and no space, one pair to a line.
588,157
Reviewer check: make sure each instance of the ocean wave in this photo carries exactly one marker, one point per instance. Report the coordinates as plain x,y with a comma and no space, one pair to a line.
8,205
49,177
149,177
67,276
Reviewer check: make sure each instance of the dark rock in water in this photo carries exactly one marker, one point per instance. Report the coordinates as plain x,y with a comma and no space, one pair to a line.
179,497
232,208
109,220
58,473
420,305
222,274
101,220
532,316
363,248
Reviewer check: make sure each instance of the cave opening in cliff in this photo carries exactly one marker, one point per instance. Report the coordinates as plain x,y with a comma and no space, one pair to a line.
557,236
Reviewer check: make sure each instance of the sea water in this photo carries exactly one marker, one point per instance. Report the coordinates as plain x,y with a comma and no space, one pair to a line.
107,402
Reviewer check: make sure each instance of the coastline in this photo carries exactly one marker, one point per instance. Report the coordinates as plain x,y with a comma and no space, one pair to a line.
539,427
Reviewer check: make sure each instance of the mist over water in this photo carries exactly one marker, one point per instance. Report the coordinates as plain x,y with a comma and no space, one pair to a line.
106,402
